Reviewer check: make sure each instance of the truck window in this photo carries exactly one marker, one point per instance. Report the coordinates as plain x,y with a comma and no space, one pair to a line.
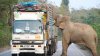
27,26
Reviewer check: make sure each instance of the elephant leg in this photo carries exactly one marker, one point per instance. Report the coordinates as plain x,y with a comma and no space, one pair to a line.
92,48
64,47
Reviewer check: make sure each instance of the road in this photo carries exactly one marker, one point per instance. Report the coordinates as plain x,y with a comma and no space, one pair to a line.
73,50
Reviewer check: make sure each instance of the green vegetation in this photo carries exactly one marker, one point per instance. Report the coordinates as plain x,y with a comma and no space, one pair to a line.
98,48
64,8
5,36
5,17
97,28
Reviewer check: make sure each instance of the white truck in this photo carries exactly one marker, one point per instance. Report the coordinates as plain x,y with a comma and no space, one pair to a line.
33,30
28,34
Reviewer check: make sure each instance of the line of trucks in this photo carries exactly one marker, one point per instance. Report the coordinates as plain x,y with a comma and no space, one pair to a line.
33,29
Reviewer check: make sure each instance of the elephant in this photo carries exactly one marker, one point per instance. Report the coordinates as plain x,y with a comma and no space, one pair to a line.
78,33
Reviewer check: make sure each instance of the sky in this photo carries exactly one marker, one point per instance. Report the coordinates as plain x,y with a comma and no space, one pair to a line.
78,4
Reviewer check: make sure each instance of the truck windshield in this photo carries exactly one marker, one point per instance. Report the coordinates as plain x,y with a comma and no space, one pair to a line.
27,26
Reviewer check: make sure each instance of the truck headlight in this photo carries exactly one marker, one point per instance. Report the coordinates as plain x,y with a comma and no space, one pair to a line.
16,41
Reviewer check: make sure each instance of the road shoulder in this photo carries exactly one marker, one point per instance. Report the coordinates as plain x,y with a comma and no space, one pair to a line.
2,49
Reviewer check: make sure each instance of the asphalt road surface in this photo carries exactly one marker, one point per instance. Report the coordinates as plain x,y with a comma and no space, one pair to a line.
73,50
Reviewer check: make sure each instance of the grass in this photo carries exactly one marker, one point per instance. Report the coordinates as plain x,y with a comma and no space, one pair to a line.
98,47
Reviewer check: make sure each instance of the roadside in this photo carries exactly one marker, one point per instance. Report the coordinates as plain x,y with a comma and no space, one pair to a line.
98,48
4,48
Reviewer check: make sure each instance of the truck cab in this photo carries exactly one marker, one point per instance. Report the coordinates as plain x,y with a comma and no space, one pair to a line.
28,33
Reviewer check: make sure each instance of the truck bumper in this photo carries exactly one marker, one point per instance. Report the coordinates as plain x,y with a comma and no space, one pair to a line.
36,50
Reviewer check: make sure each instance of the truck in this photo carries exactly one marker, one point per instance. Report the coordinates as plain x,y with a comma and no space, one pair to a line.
33,29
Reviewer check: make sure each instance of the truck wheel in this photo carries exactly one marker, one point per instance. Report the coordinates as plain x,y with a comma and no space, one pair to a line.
14,54
54,50
45,51
44,54
50,52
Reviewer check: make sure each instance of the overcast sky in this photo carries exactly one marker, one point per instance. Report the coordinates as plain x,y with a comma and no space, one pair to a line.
77,4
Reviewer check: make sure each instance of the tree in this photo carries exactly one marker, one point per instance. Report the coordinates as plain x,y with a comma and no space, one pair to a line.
64,7
6,10
5,16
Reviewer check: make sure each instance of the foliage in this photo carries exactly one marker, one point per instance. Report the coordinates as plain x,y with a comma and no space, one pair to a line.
97,28
5,16
64,9
65,2
5,36
86,16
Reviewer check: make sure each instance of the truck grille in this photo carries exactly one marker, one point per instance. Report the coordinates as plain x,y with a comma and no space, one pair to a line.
27,42
27,49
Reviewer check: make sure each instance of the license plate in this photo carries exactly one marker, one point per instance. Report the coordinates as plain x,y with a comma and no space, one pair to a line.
26,46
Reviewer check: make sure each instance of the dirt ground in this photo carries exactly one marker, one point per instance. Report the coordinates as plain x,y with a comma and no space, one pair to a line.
4,48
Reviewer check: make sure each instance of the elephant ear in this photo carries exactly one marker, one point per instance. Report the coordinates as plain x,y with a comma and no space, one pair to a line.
57,19
57,16
63,21
62,25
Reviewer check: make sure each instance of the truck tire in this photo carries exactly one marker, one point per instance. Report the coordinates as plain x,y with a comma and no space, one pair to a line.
45,52
55,46
14,54
50,52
